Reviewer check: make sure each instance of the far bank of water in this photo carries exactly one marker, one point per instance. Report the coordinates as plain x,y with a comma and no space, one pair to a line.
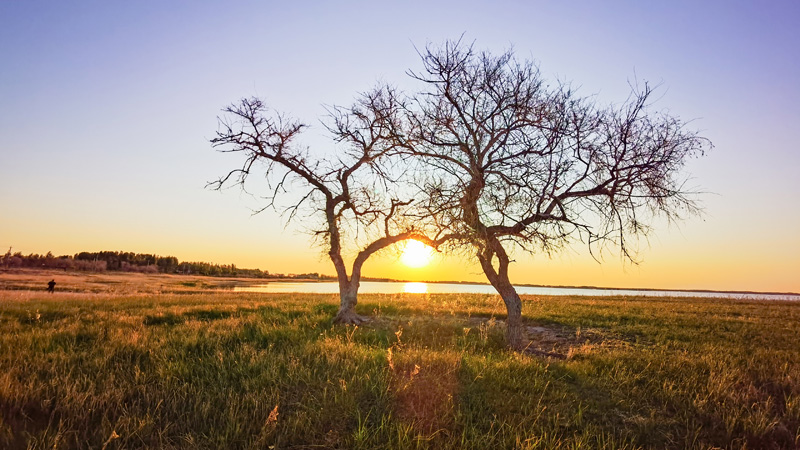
394,287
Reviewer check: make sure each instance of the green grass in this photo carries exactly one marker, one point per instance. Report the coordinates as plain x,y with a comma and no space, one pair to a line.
241,371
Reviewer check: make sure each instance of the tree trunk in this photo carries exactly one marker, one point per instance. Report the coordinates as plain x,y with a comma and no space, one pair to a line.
348,298
348,286
514,330
515,335
348,294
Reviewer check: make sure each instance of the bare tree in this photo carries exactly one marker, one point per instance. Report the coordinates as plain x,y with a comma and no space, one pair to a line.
349,192
511,162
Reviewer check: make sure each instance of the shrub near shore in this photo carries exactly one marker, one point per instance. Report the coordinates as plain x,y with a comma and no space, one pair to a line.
237,370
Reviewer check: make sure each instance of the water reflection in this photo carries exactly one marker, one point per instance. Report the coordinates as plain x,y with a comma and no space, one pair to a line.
396,287
415,288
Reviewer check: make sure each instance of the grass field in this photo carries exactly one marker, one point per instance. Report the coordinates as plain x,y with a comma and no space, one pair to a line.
160,363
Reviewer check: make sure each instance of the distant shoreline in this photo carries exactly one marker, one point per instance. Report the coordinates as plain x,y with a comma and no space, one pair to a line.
330,279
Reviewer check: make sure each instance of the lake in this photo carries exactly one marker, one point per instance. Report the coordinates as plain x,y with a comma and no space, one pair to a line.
394,287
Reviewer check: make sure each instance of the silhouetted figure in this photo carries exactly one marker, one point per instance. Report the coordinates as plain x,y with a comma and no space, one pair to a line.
51,286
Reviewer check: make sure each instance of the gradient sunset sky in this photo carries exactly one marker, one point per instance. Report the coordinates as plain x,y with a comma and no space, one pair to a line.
106,109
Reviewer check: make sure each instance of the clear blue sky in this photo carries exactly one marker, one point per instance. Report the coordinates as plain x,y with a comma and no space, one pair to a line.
106,109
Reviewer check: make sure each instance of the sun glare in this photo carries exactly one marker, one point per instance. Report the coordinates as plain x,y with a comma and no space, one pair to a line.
415,288
416,254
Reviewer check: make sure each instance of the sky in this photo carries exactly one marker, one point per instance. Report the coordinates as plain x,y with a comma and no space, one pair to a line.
107,108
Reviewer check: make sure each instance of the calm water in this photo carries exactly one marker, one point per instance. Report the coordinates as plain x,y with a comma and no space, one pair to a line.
380,287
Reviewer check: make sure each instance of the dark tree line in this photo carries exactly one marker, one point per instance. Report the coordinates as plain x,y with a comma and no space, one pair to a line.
49,261
135,262
123,260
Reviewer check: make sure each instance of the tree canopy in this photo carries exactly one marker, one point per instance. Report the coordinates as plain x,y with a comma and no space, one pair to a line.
509,160
498,158
351,192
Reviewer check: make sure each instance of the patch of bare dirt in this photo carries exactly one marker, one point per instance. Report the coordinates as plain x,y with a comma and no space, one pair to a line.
559,342
544,340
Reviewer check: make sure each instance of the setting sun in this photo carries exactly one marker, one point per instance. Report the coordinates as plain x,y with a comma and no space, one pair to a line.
416,254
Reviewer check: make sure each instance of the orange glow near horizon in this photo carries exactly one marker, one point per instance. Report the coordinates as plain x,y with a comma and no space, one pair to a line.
665,266
672,262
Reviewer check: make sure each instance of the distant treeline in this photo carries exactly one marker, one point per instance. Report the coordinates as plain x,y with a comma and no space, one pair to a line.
136,262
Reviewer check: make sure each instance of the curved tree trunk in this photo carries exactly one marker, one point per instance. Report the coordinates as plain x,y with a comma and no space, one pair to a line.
491,247
515,335
514,330
348,286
